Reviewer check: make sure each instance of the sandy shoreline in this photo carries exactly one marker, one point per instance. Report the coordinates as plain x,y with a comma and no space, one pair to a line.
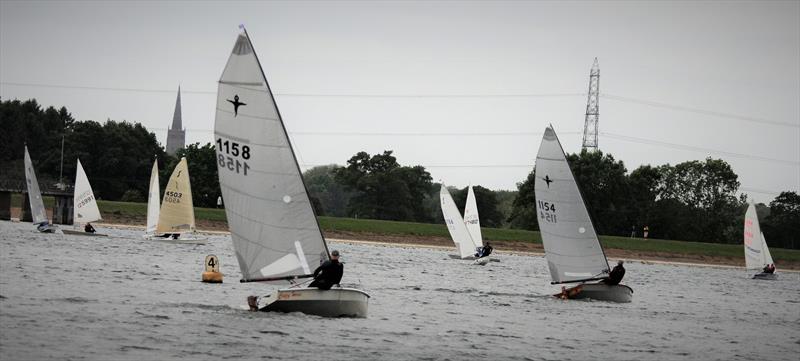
501,247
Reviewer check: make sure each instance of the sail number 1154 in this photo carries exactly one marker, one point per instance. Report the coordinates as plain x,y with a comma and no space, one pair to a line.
229,154
547,211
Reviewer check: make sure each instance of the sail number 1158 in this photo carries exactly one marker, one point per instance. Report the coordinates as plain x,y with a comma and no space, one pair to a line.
229,153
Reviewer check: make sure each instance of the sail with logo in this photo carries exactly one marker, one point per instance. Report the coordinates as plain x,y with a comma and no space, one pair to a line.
176,216
472,219
38,213
84,205
274,230
572,249
756,252
458,229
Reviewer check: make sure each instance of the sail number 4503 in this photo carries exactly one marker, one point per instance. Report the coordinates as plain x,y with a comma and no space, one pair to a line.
547,212
229,154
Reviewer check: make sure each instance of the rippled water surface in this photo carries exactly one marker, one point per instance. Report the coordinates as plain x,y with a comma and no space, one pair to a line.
73,297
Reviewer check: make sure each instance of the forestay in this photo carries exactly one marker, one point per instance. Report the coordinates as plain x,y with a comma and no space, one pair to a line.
455,224
177,210
153,200
84,202
273,226
472,220
34,194
756,254
571,245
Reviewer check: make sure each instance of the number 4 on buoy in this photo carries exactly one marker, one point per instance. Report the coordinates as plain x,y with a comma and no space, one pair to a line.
212,274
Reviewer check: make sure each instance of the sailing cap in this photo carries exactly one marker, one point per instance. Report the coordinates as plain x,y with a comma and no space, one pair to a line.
335,253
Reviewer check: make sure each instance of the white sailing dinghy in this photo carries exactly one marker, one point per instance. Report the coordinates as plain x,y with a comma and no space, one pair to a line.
756,252
84,204
38,213
459,230
473,222
273,226
153,203
572,249
176,216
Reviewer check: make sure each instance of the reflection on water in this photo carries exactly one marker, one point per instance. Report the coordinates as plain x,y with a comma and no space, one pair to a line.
72,297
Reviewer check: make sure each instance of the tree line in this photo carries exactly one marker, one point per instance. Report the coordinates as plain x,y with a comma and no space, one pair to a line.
692,201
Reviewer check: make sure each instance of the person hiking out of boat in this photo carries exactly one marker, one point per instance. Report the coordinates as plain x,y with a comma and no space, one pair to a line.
616,274
43,227
329,273
484,251
770,268
88,228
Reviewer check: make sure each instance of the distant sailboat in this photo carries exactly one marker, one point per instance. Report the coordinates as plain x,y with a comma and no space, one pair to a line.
274,230
458,229
572,249
756,252
153,202
84,204
38,212
176,216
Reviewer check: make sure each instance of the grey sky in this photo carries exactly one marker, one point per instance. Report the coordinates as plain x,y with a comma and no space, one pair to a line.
408,63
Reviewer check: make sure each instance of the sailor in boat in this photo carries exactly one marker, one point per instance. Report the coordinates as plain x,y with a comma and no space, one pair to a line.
616,274
44,227
88,228
484,251
770,268
329,273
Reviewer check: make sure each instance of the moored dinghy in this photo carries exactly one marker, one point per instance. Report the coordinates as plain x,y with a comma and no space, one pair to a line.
572,249
84,203
273,226
756,252
38,213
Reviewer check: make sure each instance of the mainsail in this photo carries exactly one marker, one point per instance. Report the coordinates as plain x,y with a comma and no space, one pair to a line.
472,220
756,254
34,195
177,211
571,245
455,224
84,202
153,200
273,226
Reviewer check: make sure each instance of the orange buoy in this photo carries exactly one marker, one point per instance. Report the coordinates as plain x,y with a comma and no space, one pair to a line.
212,273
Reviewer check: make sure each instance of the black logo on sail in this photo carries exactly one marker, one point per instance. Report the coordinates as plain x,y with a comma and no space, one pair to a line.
236,103
547,180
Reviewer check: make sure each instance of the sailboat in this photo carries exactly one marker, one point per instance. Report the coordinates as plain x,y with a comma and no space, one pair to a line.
176,216
38,212
756,252
275,232
84,203
153,203
458,228
572,249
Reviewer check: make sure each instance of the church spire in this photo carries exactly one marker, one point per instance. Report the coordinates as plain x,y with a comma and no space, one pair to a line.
176,118
176,136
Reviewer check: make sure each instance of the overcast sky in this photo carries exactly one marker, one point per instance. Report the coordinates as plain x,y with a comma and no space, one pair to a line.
679,80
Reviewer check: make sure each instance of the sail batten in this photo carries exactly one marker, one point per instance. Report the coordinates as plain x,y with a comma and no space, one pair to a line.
38,213
572,249
274,230
84,202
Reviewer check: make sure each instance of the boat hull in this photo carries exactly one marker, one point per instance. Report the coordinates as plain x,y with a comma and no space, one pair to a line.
765,276
482,261
82,233
598,291
180,240
335,302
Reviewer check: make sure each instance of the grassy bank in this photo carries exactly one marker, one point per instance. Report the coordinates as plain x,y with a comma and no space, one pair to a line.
333,224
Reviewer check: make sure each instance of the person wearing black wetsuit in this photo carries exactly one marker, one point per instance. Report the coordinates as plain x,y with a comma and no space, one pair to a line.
329,273
616,274
88,228
484,251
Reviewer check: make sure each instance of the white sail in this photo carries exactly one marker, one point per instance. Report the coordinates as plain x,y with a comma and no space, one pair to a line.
472,220
153,200
177,210
767,255
753,243
571,246
273,226
455,224
84,203
34,195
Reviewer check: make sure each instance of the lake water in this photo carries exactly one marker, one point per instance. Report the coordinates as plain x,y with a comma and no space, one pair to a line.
124,298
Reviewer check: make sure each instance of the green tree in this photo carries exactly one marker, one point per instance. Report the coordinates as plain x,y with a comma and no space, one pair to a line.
604,186
331,196
782,226
486,200
523,209
202,162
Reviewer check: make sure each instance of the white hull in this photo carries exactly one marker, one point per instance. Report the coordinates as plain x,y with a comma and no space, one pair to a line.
600,292
482,261
335,302
82,233
765,276
188,239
